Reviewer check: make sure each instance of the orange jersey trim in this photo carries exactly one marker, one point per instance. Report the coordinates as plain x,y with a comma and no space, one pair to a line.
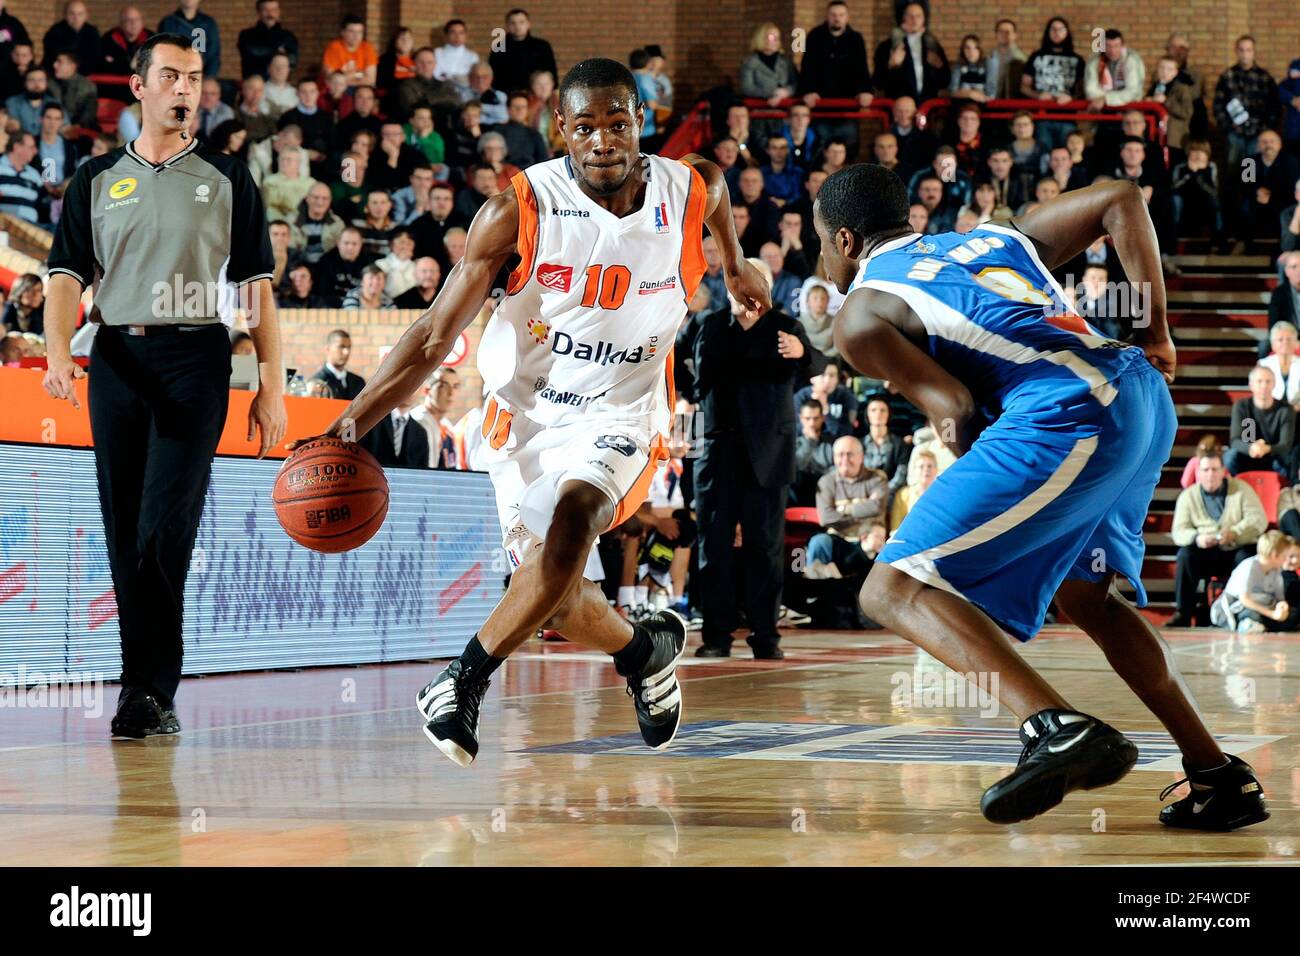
693,265
526,243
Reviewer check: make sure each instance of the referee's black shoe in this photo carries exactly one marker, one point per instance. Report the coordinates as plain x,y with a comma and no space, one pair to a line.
1064,751
1224,798
140,714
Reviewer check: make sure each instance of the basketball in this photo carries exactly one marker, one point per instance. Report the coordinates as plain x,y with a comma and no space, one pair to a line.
331,495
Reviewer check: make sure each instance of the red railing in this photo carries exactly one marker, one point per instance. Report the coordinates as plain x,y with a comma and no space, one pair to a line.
696,130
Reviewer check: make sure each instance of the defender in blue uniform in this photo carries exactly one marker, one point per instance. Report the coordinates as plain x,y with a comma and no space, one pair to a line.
1060,435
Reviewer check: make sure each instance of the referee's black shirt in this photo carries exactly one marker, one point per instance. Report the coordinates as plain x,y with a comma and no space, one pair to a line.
168,241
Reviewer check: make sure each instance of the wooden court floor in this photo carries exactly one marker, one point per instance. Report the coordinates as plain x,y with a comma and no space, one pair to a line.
854,750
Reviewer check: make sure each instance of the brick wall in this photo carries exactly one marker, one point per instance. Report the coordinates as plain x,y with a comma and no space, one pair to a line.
303,333
705,43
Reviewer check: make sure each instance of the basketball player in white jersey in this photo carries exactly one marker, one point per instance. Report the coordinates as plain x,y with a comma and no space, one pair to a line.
576,363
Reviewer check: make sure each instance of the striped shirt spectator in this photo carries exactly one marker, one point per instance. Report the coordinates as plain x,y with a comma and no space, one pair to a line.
21,187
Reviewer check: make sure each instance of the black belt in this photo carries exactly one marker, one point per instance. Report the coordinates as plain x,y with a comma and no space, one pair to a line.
160,329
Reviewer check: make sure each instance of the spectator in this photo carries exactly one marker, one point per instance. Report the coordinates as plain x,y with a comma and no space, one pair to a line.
414,199
352,54
338,271
1176,98
1009,186
212,112
1006,63
1027,153
430,228
905,497
882,449
767,74
782,180
1263,430
1067,175
835,156
284,191
956,184
283,253
1289,92
744,371
455,59
1288,517
763,212
299,295
1114,77
424,88
399,264
543,101
1283,363
813,456
713,276
1054,73
1208,446
1216,525
482,184
188,21
969,146
799,134
377,225
428,278
916,147
254,111
22,191
523,54
79,96
454,241
491,100
1101,303
439,394
884,152
838,403
397,441
1284,301
524,145
316,125
1179,47
911,62
397,64
369,292
984,206
29,106
1245,103
791,232
1254,599
492,154
73,34
970,74
850,499
25,310
363,116
1194,192
56,156
785,286
12,32
338,350
1276,174
1155,190
395,160
941,212
14,68
261,42
928,438
463,147
918,217
264,157
835,67
281,95
749,143
658,67
117,49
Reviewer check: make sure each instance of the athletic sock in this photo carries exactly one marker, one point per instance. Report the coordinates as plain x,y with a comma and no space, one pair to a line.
633,657
626,596
1211,771
476,662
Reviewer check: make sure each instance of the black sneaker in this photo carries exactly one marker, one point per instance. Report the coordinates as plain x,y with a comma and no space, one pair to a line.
140,714
1064,751
450,703
654,689
1221,799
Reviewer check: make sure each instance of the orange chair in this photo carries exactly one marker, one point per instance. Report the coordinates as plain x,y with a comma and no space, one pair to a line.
800,525
1268,485
107,112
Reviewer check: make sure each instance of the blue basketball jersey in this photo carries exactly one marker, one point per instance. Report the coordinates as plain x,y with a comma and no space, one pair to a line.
999,323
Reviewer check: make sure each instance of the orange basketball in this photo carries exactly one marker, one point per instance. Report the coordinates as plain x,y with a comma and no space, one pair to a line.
330,495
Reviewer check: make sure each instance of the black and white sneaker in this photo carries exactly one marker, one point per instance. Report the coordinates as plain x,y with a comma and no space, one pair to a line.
1064,751
1225,798
654,689
450,703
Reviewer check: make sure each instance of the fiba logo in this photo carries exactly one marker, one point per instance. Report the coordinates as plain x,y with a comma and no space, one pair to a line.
201,192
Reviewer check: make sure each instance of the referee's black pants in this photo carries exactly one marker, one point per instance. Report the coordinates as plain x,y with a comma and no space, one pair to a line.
726,492
157,408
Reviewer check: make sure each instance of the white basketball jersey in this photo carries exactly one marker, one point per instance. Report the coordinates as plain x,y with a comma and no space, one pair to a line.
591,313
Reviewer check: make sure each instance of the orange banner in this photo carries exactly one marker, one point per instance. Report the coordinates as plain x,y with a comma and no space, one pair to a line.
28,414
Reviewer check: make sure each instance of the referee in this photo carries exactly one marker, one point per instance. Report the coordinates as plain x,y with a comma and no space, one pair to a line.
166,231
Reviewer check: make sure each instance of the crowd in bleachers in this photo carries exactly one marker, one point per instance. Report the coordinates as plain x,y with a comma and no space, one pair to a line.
373,162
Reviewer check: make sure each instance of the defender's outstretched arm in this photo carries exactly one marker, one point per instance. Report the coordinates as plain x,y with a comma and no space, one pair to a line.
1063,227
493,236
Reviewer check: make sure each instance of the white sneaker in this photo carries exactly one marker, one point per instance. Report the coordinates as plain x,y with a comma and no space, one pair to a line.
789,618
1250,627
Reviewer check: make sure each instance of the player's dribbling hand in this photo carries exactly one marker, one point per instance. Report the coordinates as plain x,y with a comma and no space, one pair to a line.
1163,356
60,378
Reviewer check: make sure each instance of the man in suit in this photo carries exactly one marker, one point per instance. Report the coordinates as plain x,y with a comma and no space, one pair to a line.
340,382
745,374
399,441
